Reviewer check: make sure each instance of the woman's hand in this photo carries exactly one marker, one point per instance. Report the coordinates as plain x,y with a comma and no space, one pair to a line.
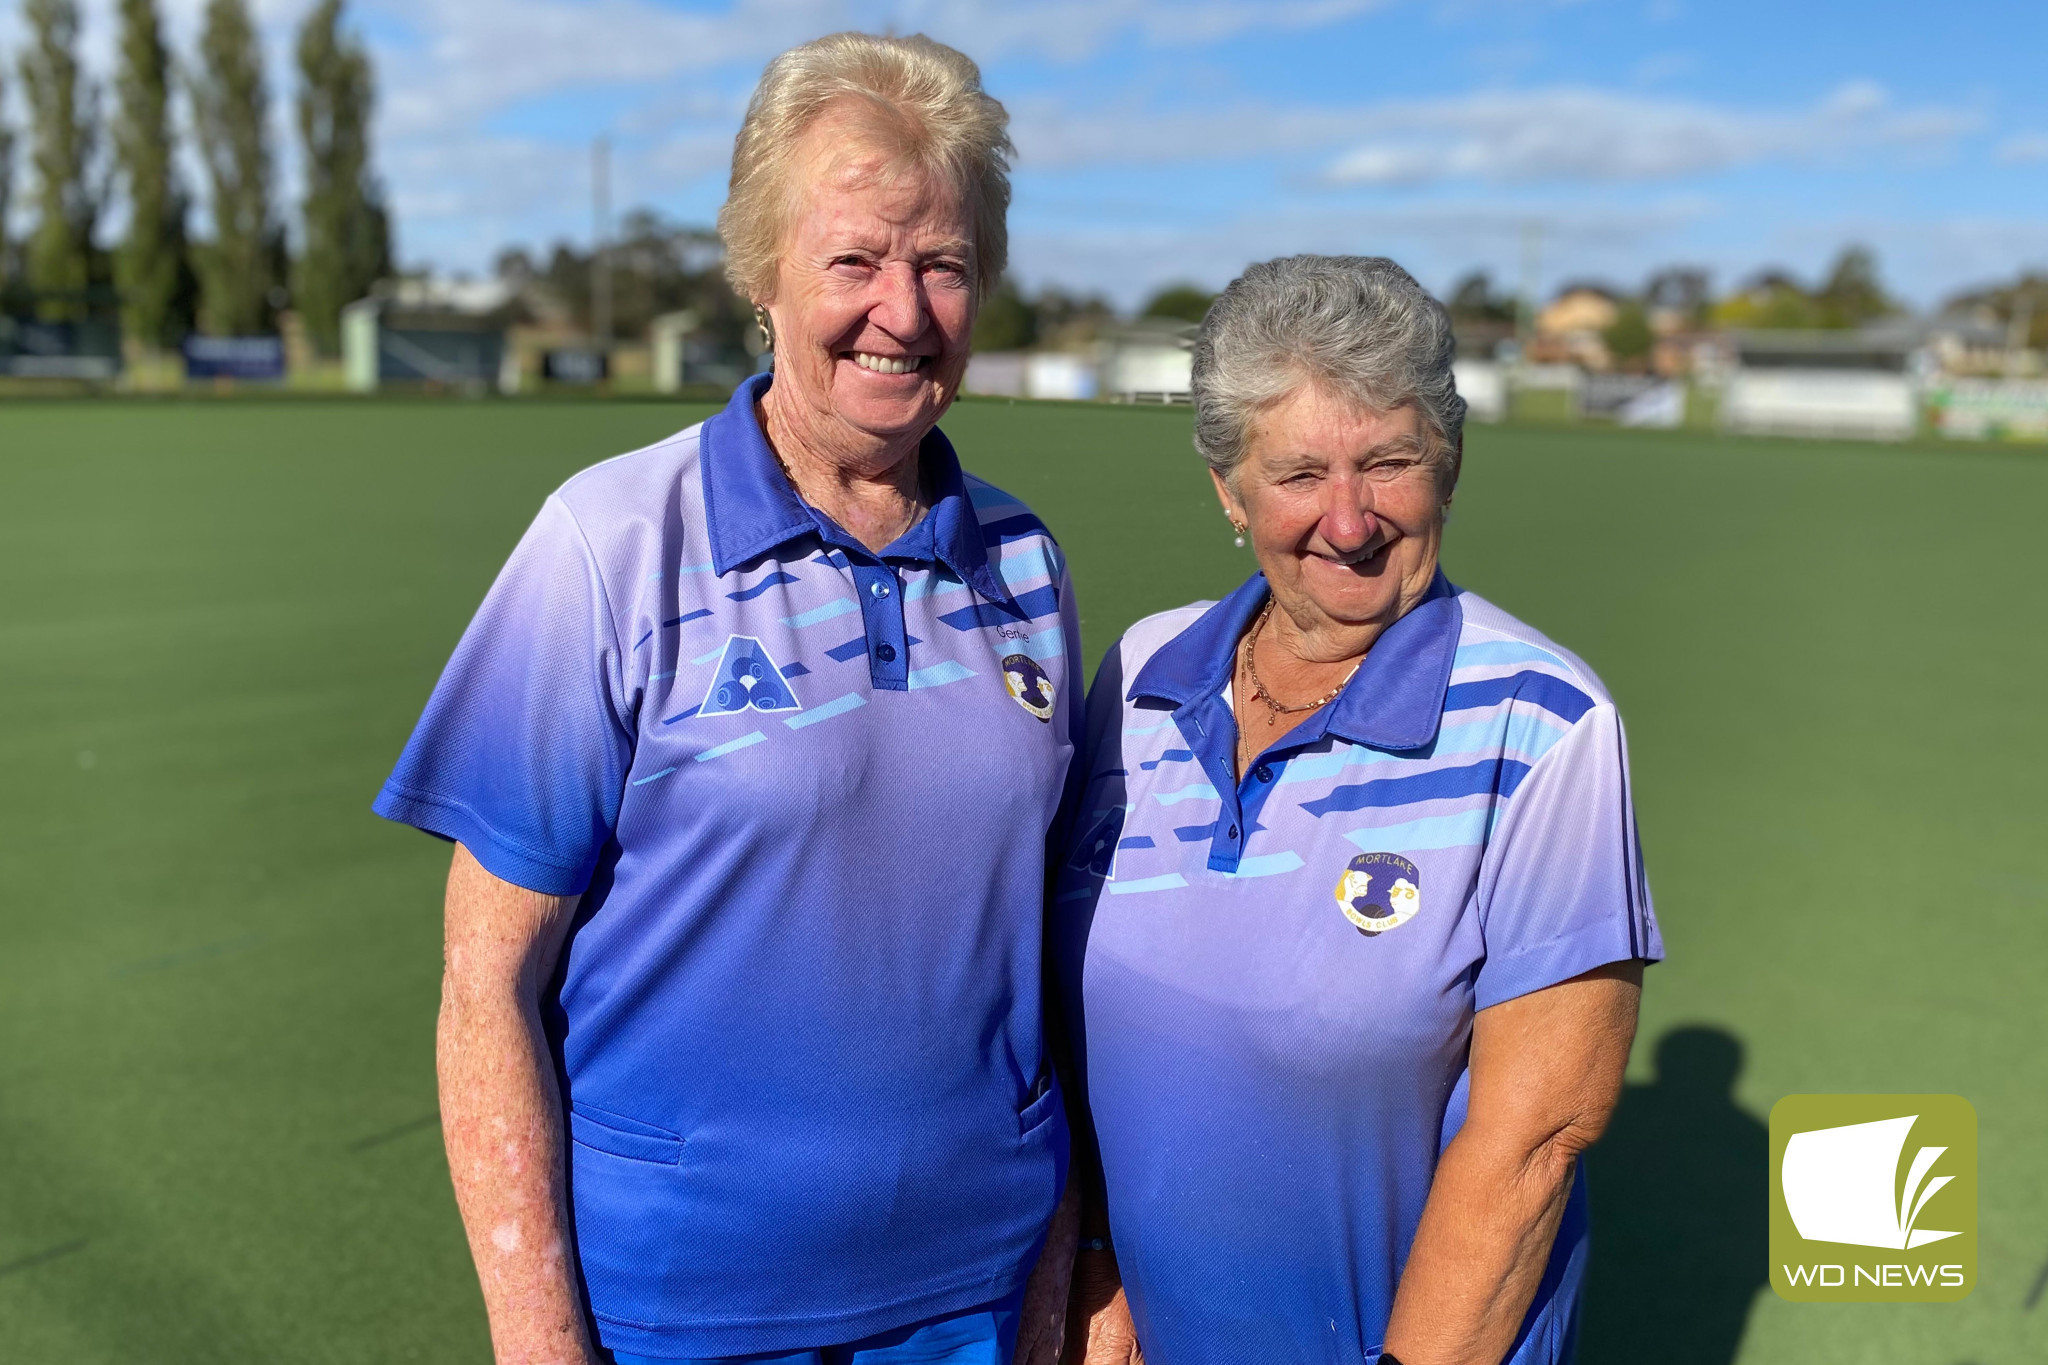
501,1113
1546,1072
1099,1326
1042,1318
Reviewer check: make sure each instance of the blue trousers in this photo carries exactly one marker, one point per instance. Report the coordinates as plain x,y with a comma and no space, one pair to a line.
979,1336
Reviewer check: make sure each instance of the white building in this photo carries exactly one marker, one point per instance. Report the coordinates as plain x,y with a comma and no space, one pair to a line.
1847,384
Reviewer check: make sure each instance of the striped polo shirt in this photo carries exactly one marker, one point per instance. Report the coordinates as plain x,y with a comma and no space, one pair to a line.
804,790
1272,980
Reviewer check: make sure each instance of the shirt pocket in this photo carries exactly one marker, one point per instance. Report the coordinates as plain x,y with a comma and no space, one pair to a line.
620,1136
1032,1115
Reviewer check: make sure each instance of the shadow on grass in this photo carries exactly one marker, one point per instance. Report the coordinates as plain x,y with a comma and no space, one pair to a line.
1681,1225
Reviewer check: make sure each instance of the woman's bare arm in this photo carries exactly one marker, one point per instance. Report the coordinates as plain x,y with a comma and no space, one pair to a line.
1546,1072
501,1112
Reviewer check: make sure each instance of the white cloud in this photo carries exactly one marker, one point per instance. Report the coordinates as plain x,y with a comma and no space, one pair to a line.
1074,29
2024,147
1565,134
1597,135
470,58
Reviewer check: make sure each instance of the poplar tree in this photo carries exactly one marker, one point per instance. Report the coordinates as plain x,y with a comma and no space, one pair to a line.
238,268
151,264
347,244
61,105
6,188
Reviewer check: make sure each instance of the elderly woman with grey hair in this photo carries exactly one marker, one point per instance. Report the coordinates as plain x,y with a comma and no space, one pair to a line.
752,755
1352,928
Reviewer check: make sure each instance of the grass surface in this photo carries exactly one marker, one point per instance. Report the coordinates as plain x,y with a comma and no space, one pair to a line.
218,970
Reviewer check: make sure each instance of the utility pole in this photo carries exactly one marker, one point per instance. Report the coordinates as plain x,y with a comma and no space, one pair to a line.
1532,255
600,260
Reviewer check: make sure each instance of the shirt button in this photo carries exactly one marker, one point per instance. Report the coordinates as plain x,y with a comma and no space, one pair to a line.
878,589
886,653
1233,832
1264,774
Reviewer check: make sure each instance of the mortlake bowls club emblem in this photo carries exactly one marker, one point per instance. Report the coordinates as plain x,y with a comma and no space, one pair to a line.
1029,685
1379,891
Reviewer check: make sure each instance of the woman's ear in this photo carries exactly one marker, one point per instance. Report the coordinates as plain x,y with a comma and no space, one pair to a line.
1232,507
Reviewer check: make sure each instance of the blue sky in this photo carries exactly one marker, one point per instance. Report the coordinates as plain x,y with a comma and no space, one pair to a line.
1169,141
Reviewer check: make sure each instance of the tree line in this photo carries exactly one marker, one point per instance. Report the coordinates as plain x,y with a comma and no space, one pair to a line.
85,163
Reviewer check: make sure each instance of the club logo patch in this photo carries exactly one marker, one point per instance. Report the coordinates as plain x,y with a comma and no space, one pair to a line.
747,678
1378,892
1029,685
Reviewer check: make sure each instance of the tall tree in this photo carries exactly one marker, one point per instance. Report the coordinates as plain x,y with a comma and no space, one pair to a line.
1179,302
1852,294
347,245
151,265
62,106
1005,321
1474,300
6,188
239,267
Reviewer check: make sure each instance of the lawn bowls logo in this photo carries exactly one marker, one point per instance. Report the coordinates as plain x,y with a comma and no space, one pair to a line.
1029,685
1096,853
747,679
1378,892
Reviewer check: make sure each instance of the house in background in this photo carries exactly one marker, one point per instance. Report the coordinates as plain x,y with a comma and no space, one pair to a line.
1572,328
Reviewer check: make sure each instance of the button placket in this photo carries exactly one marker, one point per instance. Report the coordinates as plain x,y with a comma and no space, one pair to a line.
880,594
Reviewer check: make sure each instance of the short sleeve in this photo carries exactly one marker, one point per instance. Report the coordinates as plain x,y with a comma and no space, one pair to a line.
1563,890
523,749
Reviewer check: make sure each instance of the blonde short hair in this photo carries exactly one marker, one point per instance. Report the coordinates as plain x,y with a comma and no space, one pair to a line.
919,101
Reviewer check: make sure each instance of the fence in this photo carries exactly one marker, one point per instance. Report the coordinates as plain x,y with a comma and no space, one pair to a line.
1990,409
60,350
1867,404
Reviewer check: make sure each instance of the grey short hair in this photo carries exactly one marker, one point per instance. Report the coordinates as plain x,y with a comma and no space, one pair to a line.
918,101
1359,327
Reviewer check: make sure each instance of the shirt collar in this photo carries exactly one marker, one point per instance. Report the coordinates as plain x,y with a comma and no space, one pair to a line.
750,508
1394,701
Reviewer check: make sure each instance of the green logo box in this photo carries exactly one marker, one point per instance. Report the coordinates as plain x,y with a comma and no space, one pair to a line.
1873,1198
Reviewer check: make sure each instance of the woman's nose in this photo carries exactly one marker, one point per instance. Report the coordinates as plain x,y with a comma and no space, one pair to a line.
899,307
1348,522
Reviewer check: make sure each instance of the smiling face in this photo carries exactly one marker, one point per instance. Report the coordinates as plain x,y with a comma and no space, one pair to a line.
874,300
1343,509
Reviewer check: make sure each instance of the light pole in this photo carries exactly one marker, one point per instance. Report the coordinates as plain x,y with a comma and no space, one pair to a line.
600,260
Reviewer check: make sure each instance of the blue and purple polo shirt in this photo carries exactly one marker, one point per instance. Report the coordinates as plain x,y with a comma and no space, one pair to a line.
805,792
1272,980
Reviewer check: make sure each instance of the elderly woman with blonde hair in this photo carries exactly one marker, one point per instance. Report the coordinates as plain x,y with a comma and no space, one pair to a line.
751,756
1353,926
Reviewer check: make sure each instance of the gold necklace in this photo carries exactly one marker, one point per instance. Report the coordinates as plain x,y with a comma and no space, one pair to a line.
1274,708
917,507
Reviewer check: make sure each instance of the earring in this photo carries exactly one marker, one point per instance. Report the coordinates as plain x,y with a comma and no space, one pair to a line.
1238,527
767,327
